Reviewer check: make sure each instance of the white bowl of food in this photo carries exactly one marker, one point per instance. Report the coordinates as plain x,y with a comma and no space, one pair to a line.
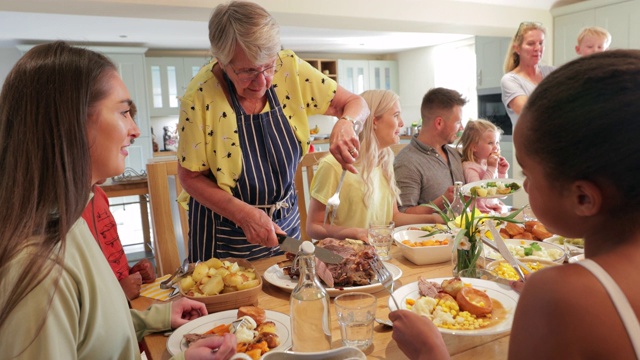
529,249
421,249
505,272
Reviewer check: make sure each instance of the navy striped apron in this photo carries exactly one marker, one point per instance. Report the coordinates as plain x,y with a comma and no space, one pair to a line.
270,156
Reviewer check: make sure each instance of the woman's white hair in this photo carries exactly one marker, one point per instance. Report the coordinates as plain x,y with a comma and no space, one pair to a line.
379,101
244,24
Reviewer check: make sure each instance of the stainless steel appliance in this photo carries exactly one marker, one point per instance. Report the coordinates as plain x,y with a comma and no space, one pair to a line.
490,107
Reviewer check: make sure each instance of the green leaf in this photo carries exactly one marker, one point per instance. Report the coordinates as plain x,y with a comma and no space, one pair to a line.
528,251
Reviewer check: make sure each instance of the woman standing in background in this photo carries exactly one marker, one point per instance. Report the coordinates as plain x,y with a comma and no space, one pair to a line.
523,71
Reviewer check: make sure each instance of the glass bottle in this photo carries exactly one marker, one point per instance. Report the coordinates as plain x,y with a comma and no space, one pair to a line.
310,321
457,206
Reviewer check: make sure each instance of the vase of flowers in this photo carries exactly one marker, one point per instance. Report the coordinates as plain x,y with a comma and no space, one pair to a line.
467,244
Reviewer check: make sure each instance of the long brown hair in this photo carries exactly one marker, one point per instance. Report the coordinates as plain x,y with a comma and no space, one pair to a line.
44,153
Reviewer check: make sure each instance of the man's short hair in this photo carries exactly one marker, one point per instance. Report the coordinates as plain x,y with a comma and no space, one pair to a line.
439,99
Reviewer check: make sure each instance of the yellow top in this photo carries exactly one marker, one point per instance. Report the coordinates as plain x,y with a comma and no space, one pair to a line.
208,128
352,211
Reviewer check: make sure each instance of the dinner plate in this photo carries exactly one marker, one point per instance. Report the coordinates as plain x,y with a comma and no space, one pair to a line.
176,343
575,259
276,277
551,249
466,188
503,293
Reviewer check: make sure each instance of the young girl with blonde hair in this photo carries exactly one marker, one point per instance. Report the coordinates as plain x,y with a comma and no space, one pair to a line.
481,159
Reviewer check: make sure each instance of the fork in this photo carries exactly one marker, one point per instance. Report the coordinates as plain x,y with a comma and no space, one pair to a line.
333,202
384,277
235,324
233,327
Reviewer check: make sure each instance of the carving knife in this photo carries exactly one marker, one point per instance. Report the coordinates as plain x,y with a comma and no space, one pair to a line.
504,250
292,245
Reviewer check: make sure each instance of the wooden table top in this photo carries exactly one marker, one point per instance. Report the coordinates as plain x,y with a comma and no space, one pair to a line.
275,299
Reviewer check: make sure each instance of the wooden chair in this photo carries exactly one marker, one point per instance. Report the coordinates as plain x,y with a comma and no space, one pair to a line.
303,178
168,217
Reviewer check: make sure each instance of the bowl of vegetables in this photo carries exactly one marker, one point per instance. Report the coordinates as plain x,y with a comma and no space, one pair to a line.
529,249
222,284
422,248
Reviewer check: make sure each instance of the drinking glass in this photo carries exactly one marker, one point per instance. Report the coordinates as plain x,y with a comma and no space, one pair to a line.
356,312
381,237
527,214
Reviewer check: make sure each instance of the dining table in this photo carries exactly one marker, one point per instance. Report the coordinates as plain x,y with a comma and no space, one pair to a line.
274,298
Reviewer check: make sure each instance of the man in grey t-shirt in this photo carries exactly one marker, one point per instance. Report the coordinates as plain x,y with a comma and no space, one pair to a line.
428,166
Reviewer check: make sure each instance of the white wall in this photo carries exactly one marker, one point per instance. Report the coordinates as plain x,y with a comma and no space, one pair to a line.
417,74
9,55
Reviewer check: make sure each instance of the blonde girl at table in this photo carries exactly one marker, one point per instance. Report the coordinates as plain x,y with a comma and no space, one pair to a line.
578,189
481,159
371,195
64,125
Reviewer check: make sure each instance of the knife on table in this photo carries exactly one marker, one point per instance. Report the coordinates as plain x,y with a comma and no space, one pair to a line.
292,245
504,250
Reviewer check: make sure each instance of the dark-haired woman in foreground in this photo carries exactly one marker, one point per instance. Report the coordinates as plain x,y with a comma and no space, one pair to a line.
64,125
578,147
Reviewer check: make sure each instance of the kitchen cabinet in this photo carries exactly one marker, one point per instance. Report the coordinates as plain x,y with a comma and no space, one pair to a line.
168,78
327,67
360,75
490,54
618,19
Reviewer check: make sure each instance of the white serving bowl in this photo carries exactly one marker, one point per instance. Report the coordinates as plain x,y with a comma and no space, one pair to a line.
550,251
423,255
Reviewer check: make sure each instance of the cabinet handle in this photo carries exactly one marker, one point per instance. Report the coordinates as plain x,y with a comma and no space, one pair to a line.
479,78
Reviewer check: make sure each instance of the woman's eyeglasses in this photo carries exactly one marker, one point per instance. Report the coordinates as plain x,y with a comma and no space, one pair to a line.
251,74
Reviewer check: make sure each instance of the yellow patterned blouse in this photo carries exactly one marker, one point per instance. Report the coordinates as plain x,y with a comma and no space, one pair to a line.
208,130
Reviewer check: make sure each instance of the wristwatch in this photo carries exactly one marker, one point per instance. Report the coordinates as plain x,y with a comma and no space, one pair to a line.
357,125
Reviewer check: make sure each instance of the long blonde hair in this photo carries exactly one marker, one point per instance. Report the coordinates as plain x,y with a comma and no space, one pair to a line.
513,59
370,157
472,134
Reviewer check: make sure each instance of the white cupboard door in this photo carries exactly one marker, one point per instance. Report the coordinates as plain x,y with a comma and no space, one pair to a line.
353,75
166,76
383,75
617,19
490,54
